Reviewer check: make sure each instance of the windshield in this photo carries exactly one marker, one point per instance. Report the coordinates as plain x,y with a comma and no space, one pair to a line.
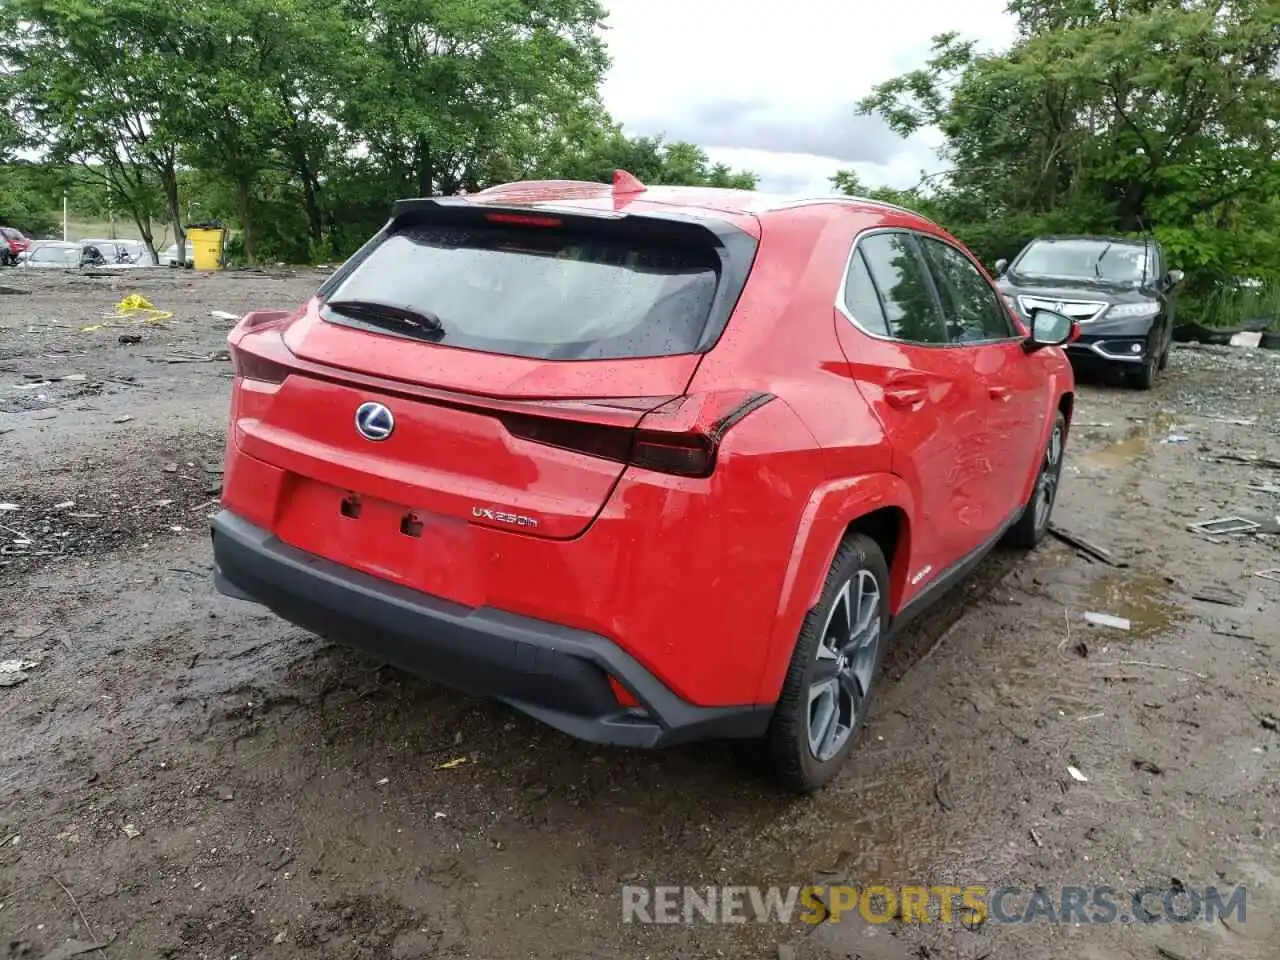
1108,261
58,255
540,292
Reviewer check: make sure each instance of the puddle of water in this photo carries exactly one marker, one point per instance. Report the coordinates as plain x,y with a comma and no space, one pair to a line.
1141,598
1126,451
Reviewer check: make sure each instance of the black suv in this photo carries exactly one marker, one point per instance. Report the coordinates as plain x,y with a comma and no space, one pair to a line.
1118,289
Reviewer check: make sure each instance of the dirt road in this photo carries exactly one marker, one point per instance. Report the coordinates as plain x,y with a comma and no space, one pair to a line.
184,776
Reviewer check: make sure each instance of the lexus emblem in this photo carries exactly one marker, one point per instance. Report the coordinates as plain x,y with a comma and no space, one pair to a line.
1059,307
374,421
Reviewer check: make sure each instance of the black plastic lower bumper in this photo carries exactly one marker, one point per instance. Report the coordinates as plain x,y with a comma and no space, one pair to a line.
553,673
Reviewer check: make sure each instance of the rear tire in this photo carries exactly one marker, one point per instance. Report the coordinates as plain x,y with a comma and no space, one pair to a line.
829,687
1033,523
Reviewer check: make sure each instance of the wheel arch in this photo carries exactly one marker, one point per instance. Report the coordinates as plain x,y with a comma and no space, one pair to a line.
878,505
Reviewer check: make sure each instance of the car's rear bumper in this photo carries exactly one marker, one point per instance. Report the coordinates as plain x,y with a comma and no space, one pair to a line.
555,674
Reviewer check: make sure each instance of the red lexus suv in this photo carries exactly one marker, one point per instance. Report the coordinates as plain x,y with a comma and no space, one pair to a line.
650,464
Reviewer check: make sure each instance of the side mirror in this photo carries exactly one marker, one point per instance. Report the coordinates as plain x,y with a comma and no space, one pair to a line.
1173,278
1001,265
1049,329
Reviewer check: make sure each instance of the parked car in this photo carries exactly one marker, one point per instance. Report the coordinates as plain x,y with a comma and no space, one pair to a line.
117,253
1120,291
169,257
649,464
12,245
53,254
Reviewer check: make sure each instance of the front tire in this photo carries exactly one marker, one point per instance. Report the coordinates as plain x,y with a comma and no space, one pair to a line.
1033,523
1144,378
828,689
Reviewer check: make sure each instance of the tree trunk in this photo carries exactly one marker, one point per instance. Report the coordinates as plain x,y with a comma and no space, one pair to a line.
143,222
244,191
424,171
169,181
311,201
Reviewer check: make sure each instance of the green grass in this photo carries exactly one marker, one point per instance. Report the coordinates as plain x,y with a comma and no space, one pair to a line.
81,229
1232,306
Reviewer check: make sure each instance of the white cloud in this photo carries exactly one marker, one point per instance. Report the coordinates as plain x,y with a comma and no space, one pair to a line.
770,86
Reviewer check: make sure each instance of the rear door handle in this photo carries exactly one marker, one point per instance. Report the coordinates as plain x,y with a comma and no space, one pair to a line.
905,395
1000,393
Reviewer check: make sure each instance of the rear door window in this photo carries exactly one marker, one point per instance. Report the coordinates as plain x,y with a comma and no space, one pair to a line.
900,275
539,292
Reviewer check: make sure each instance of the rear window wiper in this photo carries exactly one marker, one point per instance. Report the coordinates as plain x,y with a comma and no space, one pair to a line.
423,323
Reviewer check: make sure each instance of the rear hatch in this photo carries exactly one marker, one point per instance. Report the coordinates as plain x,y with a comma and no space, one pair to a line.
510,353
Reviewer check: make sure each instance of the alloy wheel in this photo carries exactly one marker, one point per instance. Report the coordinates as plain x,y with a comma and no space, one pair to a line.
1050,471
845,665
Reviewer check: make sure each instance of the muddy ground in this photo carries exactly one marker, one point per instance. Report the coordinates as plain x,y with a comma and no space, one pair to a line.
182,775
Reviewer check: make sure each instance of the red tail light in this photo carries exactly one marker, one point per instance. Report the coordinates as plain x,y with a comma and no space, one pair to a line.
250,366
680,437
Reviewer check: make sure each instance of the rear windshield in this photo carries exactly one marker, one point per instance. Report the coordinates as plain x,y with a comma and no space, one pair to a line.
540,292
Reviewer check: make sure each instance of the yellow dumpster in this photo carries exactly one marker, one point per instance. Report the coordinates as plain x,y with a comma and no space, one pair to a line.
206,247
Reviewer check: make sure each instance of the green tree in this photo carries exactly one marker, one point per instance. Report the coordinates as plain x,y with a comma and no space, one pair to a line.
94,83
1110,116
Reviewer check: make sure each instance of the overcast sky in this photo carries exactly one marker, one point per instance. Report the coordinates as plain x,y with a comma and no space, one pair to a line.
770,85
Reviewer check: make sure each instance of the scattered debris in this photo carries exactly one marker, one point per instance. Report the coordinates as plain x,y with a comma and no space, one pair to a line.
1272,462
1247,339
170,468
129,338
74,948
1035,838
1077,775
1107,620
131,831
8,506
1100,553
450,764
224,315
14,672
1081,648
13,291
1169,954
1219,595
1262,488
1235,421
121,419
1273,574
1176,438
1224,525
214,357
1146,766
133,309
225,793
1270,722
384,781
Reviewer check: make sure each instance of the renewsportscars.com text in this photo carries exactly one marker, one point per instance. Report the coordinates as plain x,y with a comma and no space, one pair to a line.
971,905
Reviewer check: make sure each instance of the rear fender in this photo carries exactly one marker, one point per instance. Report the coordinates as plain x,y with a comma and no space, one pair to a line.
830,510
